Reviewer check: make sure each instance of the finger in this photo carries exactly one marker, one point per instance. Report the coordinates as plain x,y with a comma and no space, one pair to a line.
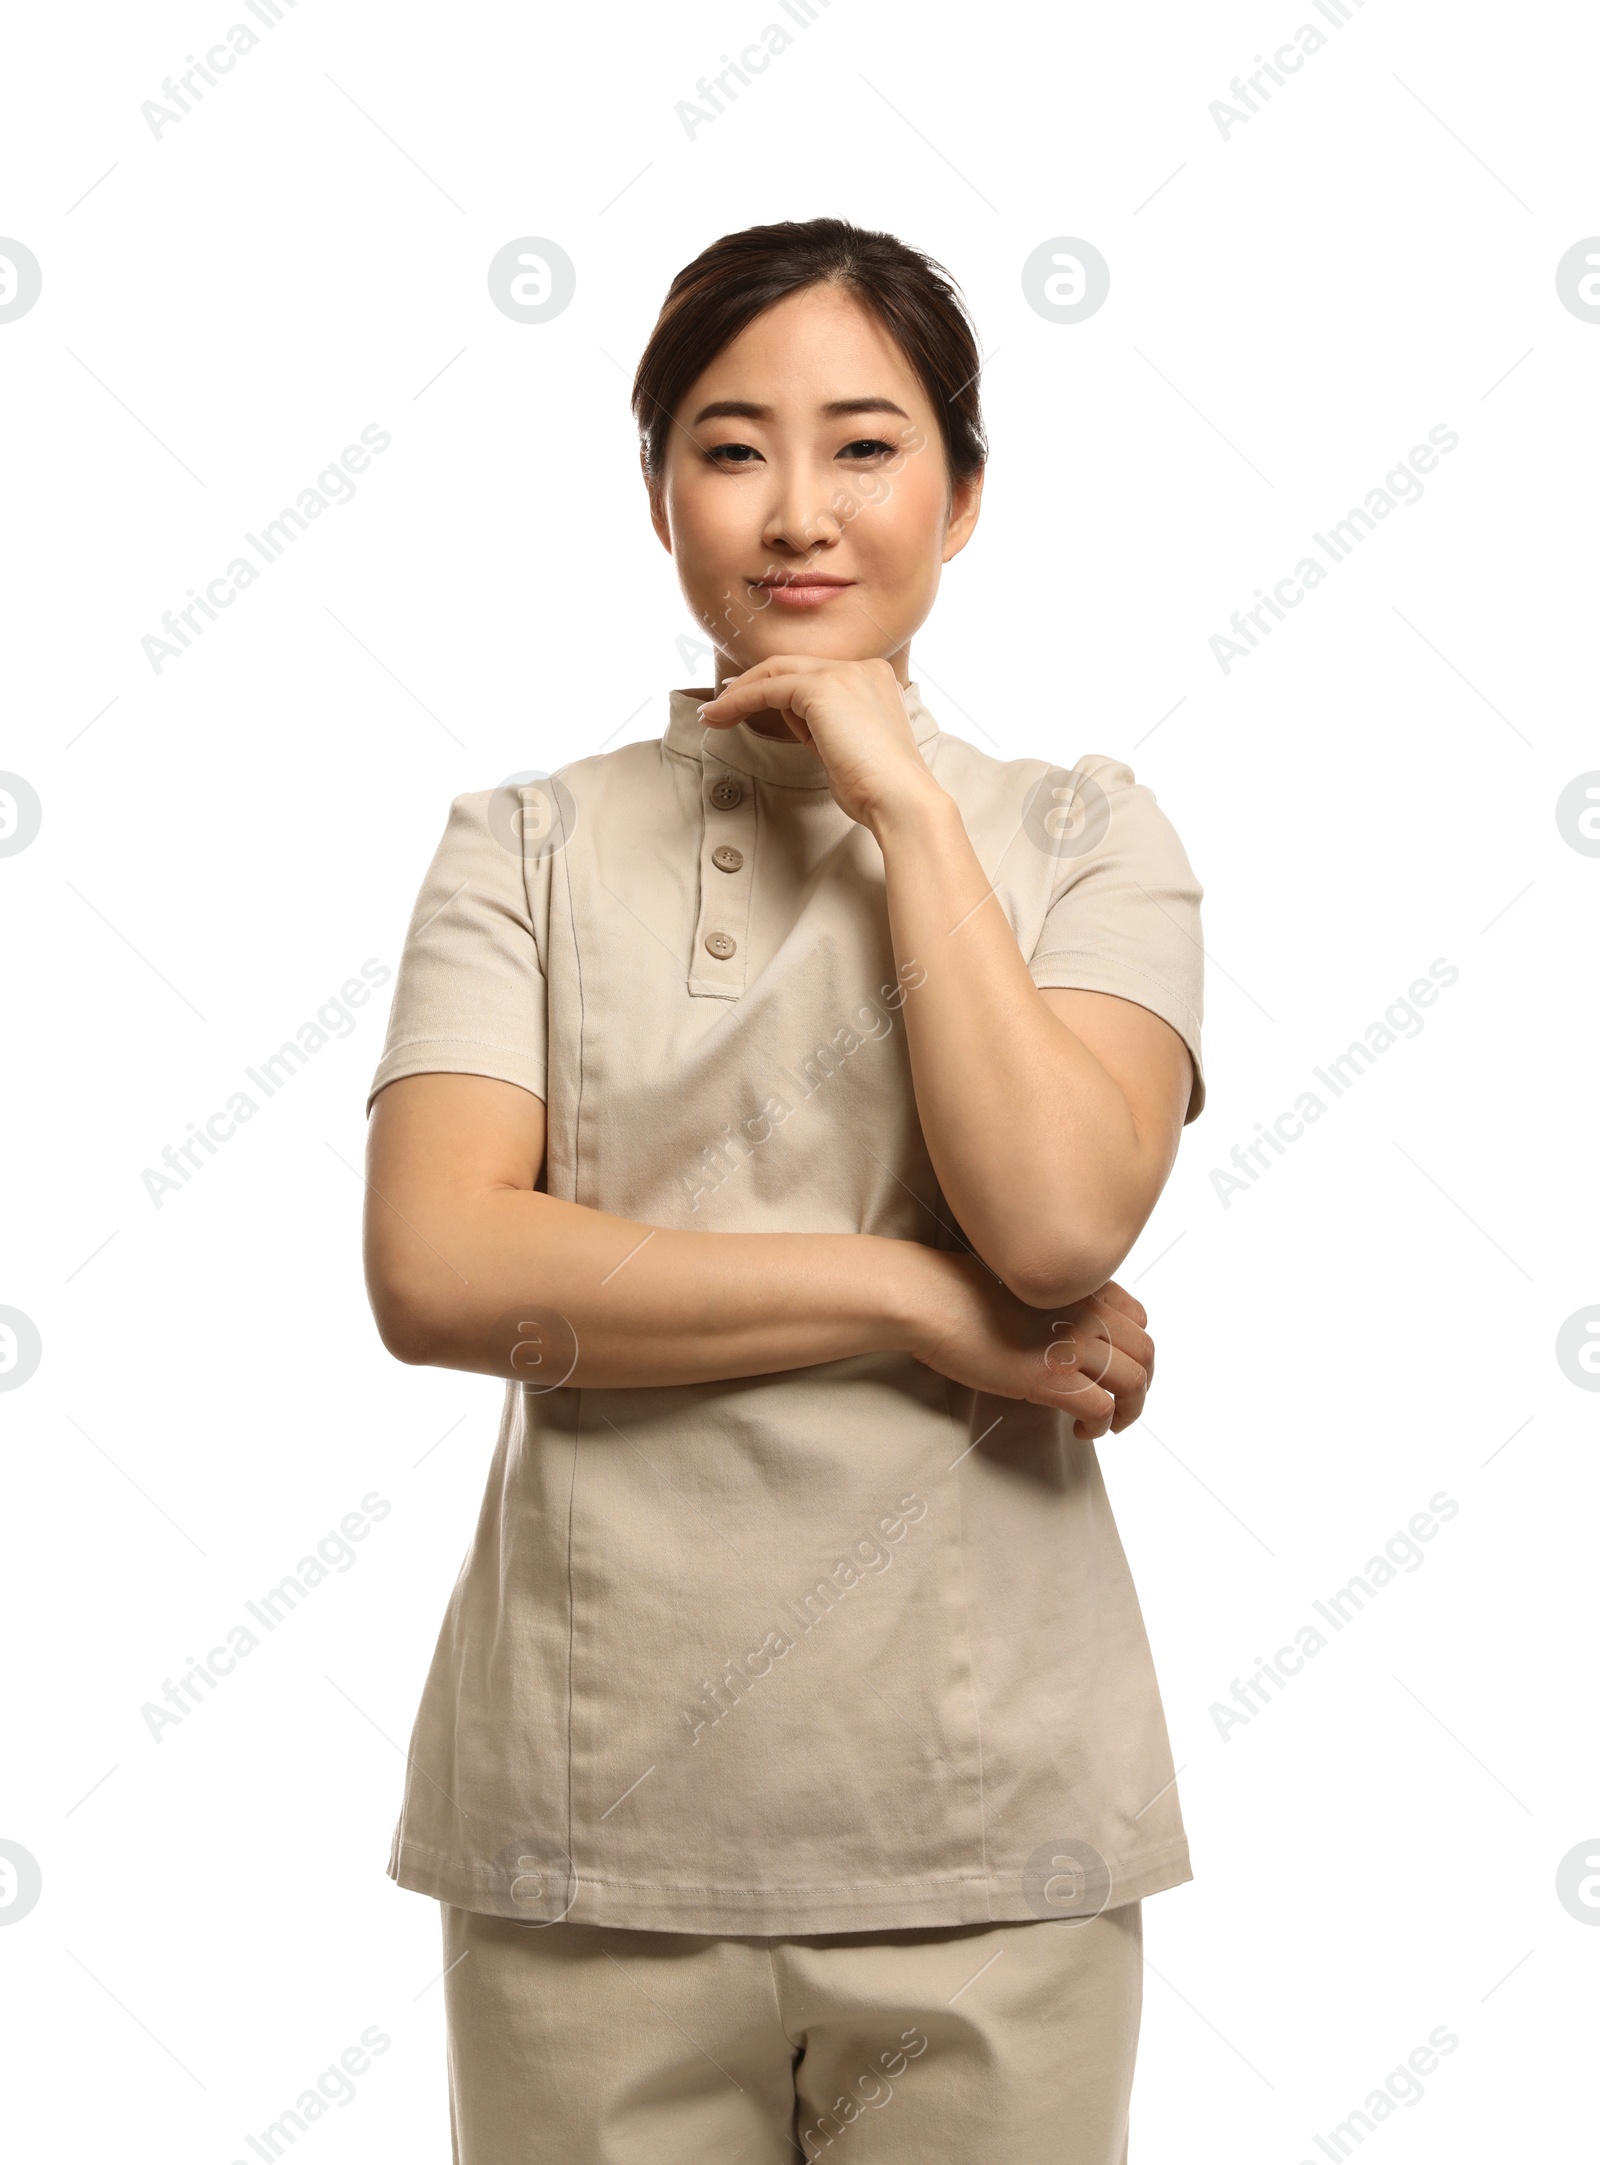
1083,1343
1065,1385
763,672
1123,1374
1128,1381
1126,1328
1129,1337
1114,1361
1093,1421
774,665
1117,1296
1125,1380
1093,1411
737,700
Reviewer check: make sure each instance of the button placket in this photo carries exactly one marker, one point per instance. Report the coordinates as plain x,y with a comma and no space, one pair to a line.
727,857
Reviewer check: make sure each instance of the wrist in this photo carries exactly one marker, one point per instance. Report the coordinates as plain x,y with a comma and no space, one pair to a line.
910,1283
921,806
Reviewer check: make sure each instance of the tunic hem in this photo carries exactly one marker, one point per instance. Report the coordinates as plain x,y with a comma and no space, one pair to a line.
733,1912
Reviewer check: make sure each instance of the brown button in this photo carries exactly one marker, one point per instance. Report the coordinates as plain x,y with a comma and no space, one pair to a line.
725,791
720,944
727,858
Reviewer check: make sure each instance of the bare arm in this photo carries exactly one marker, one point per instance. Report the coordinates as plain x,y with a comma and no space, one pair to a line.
1052,1117
462,1249
457,1239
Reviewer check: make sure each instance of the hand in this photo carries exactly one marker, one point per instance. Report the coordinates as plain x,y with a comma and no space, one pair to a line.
1132,1367
852,715
1093,1358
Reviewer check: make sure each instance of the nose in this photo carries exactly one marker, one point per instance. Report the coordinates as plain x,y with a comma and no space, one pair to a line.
800,517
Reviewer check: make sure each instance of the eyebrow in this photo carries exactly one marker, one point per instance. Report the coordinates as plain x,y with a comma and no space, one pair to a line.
744,409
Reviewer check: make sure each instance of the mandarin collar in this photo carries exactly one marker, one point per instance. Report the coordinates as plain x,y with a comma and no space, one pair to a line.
768,759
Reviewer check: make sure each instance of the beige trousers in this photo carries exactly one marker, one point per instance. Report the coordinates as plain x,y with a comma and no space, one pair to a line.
589,2045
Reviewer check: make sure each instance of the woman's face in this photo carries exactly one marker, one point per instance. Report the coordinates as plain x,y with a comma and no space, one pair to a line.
806,498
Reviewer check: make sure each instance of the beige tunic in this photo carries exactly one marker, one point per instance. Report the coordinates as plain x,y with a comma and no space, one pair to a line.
847,1647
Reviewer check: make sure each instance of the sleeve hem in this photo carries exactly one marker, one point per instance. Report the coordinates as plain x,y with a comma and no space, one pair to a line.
459,1056
1060,973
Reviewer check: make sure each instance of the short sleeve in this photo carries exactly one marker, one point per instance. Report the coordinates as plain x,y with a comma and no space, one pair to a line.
1124,915
470,990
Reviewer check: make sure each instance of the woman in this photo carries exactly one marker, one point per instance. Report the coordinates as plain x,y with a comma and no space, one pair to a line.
770,1103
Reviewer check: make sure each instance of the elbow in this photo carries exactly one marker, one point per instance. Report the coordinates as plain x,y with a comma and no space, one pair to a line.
404,1340
403,1325
1057,1277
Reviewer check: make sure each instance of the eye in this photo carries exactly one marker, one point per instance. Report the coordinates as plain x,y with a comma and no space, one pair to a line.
866,447
735,454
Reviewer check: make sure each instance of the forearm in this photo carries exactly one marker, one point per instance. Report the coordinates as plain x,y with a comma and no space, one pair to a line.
1034,1143
514,1282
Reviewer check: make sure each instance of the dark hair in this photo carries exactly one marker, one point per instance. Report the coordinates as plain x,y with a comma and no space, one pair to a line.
728,285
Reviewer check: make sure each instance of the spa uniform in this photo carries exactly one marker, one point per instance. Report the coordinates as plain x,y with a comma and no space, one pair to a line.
847,1649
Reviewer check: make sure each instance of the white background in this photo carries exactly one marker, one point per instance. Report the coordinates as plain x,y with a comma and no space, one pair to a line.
1292,307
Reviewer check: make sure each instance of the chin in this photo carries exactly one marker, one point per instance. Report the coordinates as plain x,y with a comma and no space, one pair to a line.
801,635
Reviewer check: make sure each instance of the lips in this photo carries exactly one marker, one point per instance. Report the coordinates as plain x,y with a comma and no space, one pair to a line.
802,589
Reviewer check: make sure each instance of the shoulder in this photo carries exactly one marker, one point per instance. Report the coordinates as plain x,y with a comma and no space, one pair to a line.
1105,771
1088,817
531,812
1035,788
635,762
960,762
1109,796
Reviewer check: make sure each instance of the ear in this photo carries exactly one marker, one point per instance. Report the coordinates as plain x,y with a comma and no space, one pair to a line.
966,497
658,505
